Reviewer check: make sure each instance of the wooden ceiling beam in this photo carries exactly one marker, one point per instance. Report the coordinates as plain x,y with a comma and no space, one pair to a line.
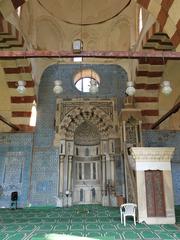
90,54
173,110
7,122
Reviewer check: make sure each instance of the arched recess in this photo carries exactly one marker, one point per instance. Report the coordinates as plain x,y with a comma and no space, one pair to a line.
90,114
167,14
120,35
49,35
86,134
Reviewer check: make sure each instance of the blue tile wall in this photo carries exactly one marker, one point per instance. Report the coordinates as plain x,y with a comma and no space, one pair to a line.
154,138
119,175
45,157
39,153
44,177
15,162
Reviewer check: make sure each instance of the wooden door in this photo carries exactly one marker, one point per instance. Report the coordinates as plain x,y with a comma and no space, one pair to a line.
155,193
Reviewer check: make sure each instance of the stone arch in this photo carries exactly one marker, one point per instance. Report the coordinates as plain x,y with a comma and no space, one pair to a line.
165,14
90,114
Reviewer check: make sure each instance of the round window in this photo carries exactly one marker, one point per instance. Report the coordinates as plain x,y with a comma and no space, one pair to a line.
87,81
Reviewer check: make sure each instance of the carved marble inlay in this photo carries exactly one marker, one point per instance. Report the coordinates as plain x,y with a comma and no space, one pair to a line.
71,114
87,134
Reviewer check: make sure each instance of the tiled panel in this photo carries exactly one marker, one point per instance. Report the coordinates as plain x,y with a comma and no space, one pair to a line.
44,177
119,175
176,181
154,138
15,161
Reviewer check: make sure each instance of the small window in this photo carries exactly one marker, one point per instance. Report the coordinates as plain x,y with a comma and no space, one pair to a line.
140,20
80,171
81,195
77,152
19,11
93,191
32,122
87,152
94,170
97,151
61,148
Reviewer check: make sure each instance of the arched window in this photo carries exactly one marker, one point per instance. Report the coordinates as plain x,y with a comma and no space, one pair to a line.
140,20
33,115
19,11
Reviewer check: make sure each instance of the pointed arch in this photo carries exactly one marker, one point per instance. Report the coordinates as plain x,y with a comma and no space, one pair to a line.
81,114
166,13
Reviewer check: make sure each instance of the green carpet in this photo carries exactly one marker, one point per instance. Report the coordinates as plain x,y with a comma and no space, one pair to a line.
93,221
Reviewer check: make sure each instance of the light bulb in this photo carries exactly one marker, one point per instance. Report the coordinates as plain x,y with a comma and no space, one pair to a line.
166,88
21,87
57,87
130,90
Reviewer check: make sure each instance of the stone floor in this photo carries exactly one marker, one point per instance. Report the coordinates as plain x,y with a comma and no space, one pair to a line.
91,221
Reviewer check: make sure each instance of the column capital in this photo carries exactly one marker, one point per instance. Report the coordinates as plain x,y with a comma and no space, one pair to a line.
70,157
61,157
111,157
103,157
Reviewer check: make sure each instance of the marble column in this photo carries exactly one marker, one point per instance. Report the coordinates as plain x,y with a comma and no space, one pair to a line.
69,183
112,166
61,175
140,133
124,131
103,173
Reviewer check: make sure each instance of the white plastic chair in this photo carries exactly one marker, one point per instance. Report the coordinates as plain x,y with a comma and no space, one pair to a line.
128,209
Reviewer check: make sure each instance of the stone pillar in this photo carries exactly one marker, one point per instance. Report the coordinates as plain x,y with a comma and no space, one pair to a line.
61,175
140,133
112,166
103,173
69,183
124,131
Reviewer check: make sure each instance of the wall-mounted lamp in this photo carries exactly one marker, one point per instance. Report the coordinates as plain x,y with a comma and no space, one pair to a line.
166,87
57,87
130,90
21,87
77,46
